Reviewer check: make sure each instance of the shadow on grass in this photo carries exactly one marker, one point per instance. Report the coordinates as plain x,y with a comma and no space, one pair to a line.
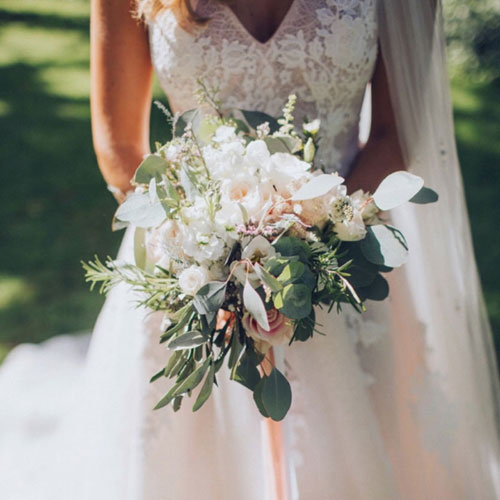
55,209
49,21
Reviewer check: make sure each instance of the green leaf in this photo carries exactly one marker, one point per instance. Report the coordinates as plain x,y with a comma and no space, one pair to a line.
282,144
206,388
256,118
397,188
378,289
185,316
192,116
289,246
295,301
425,195
254,305
157,375
384,245
292,272
210,297
317,186
236,345
193,379
175,362
257,397
304,328
188,340
246,372
138,210
140,247
276,395
176,405
267,278
152,167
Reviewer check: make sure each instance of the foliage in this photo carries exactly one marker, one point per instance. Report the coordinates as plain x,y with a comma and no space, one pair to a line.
473,36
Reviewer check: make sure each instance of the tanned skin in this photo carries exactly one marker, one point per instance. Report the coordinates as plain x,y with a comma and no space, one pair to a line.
121,76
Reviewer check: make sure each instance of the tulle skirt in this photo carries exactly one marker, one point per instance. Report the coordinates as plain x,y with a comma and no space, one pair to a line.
370,419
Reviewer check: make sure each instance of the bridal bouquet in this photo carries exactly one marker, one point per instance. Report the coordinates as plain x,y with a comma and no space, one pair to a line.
239,235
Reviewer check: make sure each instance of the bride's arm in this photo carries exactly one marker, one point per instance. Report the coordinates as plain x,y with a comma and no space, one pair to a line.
381,155
120,90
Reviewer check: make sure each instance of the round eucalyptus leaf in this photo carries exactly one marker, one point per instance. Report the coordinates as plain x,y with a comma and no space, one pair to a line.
297,302
276,395
384,245
397,188
317,186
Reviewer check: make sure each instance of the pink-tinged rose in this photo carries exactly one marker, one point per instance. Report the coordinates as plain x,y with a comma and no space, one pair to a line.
280,330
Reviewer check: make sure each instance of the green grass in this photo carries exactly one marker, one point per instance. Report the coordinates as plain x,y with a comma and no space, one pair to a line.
54,208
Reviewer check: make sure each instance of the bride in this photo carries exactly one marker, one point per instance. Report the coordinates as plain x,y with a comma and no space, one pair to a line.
400,403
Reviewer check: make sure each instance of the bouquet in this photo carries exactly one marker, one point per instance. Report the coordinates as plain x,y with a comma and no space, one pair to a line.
239,236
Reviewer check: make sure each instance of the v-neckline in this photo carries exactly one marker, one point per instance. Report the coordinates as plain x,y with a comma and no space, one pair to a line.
236,21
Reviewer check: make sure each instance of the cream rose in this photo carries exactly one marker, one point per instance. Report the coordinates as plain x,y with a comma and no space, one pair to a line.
193,278
280,330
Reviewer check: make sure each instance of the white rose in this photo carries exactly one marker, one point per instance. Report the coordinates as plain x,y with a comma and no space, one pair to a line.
192,279
351,229
257,153
224,133
284,169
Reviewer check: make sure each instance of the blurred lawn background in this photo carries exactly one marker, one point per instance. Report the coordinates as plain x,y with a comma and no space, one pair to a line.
54,207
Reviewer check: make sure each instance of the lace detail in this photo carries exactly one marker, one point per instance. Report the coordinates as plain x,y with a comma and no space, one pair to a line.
324,51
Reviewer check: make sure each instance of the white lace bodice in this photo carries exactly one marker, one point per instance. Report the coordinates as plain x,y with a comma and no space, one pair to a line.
324,51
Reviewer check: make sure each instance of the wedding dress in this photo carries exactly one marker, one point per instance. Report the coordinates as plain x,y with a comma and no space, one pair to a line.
374,415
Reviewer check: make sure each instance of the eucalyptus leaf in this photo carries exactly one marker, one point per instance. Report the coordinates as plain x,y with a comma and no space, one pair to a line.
236,345
317,186
254,305
256,118
377,290
282,144
267,278
425,195
210,297
276,395
289,246
192,116
140,247
206,388
397,188
304,328
291,272
189,183
384,245
295,301
152,167
138,210
188,340
246,372
257,397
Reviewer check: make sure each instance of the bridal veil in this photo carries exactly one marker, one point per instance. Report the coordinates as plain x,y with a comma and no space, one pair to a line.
437,391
